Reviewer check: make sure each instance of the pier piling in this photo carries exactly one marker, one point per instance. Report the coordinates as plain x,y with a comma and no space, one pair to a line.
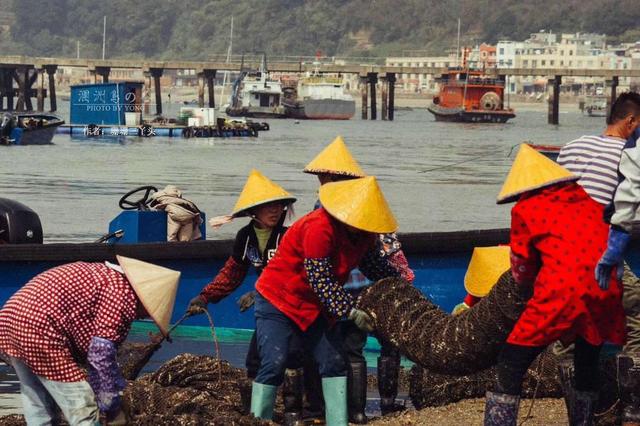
210,76
156,73
554,99
373,80
40,95
364,87
383,96
51,73
201,81
391,79
146,90
103,72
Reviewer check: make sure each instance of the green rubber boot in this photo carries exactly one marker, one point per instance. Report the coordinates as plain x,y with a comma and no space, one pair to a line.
263,398
334,390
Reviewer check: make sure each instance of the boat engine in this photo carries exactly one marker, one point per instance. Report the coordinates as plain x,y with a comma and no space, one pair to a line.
18,223
490,101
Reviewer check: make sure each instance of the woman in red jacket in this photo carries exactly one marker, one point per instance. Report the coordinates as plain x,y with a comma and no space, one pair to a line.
557,236
300,292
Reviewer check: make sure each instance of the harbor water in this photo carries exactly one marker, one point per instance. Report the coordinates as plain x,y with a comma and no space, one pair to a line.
436,176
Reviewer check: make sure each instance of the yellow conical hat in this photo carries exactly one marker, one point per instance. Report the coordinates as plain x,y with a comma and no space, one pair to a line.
531,170
259,190
335,159
155,286
359,203
486,266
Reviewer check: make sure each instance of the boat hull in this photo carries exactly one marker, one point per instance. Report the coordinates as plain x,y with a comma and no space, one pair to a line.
257,112
320,109
438,259
460,115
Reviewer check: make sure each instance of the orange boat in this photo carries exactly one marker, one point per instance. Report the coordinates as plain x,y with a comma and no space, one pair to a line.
469,95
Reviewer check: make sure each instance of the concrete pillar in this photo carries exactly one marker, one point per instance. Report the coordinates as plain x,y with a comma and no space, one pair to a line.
210,76
613,88
201,78
51,72
146,91
554,100
391,78
156,73
384,85
30,78
373,80
364,87
8,81
102,72
40,94
20,77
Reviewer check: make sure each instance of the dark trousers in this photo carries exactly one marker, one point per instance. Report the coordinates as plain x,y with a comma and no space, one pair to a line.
514,361
294,359
354,341
275,332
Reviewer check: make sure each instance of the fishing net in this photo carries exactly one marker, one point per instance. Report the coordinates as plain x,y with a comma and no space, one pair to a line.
436,340
188,390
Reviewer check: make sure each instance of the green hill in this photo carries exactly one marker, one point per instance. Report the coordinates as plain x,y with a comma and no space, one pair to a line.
196,29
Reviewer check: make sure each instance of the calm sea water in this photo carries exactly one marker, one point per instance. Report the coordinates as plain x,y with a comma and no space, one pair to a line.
436,176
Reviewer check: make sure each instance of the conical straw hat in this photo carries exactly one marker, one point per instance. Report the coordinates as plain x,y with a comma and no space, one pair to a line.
259,190
486,266
155,286
359,203
335,159
531,170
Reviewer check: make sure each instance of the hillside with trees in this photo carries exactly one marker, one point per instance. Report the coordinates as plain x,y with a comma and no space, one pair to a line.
197,29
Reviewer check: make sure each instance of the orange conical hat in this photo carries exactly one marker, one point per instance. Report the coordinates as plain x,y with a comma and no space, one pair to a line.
335,159
155,286
359,203
259,190
486,266
531,170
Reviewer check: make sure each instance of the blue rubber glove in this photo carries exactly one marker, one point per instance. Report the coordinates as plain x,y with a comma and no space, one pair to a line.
104,375
612,257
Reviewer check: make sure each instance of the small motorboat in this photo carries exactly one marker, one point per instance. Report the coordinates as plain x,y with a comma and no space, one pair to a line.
18,128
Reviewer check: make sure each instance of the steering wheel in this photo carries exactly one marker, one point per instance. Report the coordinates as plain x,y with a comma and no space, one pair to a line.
141,204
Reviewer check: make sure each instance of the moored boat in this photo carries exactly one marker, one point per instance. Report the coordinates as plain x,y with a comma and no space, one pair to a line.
319,97
18,128
469,95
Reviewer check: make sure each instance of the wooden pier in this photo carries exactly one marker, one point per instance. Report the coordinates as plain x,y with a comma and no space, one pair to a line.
19,74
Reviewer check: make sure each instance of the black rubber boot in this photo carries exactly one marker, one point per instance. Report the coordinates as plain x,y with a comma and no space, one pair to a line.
314,407
357,392
501,409
292,389
567,382
388,372
583,408
629,384
244,386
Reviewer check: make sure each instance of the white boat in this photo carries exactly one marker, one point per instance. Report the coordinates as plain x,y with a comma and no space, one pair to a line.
319,97
594,105
255,94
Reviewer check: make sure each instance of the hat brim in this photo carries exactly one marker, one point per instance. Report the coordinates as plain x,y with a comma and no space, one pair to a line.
245,210
332,172
510,198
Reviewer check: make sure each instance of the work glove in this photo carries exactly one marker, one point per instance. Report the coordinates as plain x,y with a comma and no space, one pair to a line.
246,300
104,376
197,306
460,308
613,257
362,320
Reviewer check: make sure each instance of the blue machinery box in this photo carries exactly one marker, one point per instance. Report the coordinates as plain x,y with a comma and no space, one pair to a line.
105,103
144,226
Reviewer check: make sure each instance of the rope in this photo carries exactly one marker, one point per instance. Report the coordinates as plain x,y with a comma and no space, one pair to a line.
215,340
535,391
477,157
604,413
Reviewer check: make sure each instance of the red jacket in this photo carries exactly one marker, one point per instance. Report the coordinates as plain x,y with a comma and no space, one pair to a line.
316,235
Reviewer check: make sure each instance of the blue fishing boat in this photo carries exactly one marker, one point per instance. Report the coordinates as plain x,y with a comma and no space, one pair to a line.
439,259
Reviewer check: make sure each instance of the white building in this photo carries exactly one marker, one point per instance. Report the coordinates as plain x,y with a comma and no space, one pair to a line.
419,83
